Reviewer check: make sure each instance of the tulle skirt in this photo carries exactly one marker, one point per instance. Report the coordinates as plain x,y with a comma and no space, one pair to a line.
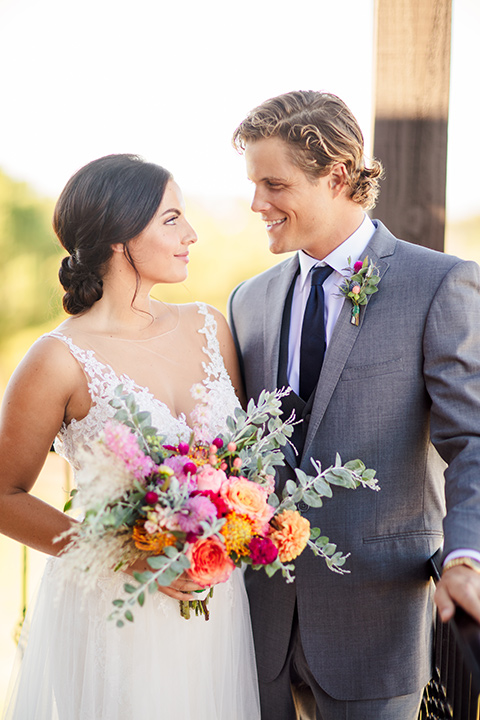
79,666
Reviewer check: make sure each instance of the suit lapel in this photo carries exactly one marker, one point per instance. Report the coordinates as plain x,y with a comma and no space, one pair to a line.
344,335
276,293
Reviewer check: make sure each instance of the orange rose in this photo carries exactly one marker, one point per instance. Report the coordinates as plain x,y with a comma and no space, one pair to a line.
209,562
290,534
248,498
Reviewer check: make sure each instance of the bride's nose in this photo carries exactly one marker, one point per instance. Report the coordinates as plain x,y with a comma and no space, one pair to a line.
189,236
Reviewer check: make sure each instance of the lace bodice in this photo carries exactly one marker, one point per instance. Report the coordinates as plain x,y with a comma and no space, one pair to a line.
102,381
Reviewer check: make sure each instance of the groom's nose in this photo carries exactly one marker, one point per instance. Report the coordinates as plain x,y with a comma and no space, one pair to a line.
259,203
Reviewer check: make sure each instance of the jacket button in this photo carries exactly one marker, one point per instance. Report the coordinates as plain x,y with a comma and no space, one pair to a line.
302,506
307,417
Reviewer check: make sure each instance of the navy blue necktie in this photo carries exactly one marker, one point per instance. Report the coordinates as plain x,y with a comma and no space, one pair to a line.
313,342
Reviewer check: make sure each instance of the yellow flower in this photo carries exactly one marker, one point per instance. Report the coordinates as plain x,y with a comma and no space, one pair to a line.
290,534
155,543
237,532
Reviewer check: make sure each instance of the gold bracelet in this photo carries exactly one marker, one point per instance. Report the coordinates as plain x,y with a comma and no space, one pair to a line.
467,561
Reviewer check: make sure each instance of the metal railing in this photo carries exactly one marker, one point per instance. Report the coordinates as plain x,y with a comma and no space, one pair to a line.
454,691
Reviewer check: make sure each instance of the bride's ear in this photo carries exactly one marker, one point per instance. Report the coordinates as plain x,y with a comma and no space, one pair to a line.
118,247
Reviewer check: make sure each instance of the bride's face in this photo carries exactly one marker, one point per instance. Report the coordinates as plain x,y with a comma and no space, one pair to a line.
161,251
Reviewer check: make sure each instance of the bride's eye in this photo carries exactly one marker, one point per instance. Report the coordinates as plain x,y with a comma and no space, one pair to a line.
172,220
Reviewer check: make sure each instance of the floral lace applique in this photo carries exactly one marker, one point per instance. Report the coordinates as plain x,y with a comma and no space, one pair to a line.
102,381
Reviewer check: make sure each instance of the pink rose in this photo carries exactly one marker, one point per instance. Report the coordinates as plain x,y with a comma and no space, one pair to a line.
210,479
248,498
209,562
358,266
356,289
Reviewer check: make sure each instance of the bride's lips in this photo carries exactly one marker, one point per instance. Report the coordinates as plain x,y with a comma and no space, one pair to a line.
183,256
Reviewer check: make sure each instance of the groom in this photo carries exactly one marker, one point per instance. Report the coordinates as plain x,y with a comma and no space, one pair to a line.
400,390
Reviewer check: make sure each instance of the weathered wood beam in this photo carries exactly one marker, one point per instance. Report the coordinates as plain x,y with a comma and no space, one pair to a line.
412,69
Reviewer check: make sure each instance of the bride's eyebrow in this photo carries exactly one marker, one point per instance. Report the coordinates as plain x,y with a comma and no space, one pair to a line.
171,210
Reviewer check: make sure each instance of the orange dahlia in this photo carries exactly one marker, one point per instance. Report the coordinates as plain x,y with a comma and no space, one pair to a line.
154,543
238,532
290,533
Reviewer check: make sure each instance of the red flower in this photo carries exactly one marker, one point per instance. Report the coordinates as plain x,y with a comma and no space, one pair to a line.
262,551
151,498
220,504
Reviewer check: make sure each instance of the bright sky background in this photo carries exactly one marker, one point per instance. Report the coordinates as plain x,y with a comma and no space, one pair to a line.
171,80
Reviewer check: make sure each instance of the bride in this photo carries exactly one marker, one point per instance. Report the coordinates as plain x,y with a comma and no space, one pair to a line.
122,222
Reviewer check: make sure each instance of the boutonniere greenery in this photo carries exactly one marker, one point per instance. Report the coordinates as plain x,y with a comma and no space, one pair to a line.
360,285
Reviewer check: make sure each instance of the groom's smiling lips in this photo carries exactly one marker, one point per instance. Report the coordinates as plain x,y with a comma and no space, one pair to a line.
272,223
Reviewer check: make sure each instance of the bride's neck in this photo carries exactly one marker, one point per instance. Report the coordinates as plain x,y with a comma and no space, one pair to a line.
122,307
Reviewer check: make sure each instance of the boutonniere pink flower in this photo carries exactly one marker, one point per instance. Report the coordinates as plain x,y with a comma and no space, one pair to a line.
360,285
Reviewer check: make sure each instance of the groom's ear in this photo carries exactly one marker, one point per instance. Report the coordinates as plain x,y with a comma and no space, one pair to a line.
337,179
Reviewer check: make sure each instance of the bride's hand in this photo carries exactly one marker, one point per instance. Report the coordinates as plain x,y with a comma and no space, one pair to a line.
180,589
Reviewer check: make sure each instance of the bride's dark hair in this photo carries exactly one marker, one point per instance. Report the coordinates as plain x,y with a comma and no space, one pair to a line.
110,200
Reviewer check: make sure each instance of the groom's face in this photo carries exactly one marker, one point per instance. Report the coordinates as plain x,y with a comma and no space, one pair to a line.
297,212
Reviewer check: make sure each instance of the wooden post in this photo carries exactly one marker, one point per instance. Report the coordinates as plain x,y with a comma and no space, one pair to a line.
412,67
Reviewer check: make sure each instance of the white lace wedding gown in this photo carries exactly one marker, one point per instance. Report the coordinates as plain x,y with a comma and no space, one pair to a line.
79,666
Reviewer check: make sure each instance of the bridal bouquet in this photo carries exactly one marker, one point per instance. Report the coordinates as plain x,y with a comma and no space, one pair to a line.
199,508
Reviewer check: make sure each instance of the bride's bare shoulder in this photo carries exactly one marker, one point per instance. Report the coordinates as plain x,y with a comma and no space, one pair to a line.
48,360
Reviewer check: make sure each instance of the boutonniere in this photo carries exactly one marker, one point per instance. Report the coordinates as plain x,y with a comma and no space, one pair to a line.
362,282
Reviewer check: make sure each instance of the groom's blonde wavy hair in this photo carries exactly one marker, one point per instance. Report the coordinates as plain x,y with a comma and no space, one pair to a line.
320,130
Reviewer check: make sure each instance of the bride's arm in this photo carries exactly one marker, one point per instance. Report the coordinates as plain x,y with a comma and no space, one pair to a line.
34,406
229,354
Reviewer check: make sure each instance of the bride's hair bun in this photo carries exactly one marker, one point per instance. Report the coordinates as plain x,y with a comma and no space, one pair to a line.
107,202
82,286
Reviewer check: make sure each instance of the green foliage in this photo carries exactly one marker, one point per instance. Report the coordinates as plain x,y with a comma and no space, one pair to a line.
29,288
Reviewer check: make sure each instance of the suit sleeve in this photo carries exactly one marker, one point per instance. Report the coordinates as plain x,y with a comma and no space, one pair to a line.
451,347
231,322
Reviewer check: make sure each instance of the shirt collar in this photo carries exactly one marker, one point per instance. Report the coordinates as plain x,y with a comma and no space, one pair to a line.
351,248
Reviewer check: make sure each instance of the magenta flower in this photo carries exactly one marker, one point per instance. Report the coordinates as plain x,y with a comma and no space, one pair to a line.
177,463
151,497
197,508
358,266
262,551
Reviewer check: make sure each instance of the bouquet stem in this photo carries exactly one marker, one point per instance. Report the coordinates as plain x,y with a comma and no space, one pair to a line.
199,606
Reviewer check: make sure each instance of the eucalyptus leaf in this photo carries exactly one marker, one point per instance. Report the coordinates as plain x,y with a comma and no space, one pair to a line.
290,486
329,549
301,476
312,499
273,500
122,416
143,577
322,487
156,562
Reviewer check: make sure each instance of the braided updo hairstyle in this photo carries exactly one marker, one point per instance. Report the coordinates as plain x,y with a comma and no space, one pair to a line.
110,200
320,130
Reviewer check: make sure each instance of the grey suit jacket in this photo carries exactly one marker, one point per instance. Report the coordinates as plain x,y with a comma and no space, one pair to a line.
402,392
